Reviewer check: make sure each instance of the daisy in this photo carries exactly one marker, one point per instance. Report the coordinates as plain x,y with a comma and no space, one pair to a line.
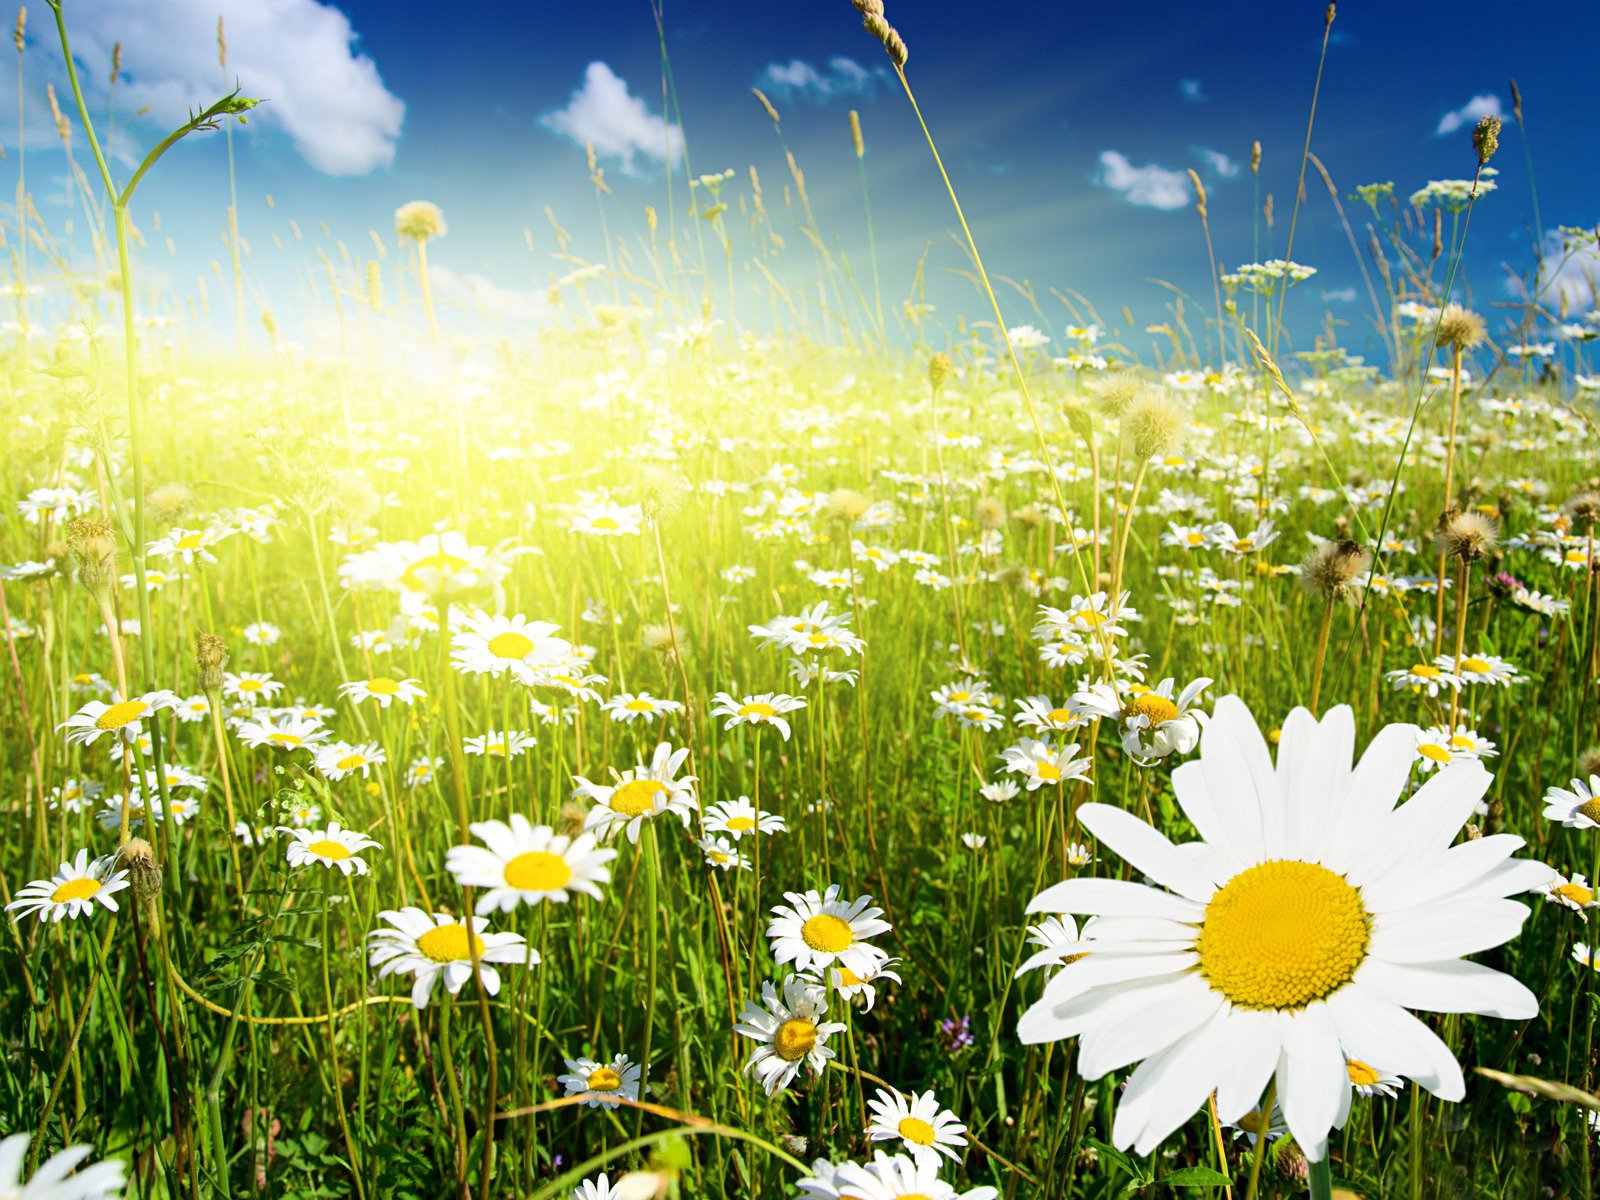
1479,668
1038,713
1060,941
1577,808
1079,855
886,1178
422,770
927,1131
429,947
953,697
526,863
193,708
816,930
628,706
139,807
1368,1081
739,817
1423,677
437,564
254,686
861,989
1574,893
513,743
766,708
1000,790
72,892
56,1179
720,852
598,1188
1295,935
602,1084
514,645
75,795
343,758
790,1031
283,733
332,847
121,718
1155,723
1086,616
605,519
640,794
1584,956
1041,763
383,690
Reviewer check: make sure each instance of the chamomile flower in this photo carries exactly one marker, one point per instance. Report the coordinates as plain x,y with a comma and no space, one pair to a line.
1079,855
431,947
331,847
927,1131
1574,893
283,733
736,818
631,706
1060,944
598,1188
998,791
1479,668
512,743
605,519
56,1179
524,863
1577,807
817,929
1293,936
122,719
600,1084
1368,1081
72,892
258,687
723,854
1041,763
1155,723
639,794
526,650
1039,713
339,759
1423,678
901,1176
421,771
765,708
789,1030
383,690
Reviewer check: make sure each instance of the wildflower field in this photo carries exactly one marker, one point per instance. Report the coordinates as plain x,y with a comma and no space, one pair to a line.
750,737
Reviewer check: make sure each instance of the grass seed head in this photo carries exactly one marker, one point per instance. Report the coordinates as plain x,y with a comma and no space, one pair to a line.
939,369
210,660
92,550
1486,138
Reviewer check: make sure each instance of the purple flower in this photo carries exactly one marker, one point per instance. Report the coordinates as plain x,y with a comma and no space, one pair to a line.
955,1033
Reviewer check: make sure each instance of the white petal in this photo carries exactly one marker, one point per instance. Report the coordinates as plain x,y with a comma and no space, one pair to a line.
1113,898
1147,850
1311,1077
1447,930
1374,786
1440,875
1454,986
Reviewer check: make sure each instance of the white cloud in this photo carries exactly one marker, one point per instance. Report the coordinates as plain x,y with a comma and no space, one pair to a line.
299,55
1569,277
1149,186
1344,295
843,77
604,113
1470,113
482,293
1223,166
1191,90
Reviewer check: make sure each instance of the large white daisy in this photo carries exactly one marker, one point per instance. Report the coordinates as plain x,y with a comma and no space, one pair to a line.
431,947
526,863
1293,936
640,794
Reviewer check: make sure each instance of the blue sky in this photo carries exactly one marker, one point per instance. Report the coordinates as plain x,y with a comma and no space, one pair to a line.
1039,108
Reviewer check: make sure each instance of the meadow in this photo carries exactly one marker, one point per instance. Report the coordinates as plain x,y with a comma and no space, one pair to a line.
757,735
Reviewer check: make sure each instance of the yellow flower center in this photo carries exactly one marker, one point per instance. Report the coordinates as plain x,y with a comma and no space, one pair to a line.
740,824
1196,539
249,685
538,871
1255,1122
1088,618
448,943
350,762
1590,809
604,1079
510,644
1461,742
639,706
848,978
637,797
1424,671
1576,893
1438,753
382,686
1361,1074
606,523
124,712
916,1130
445,565
1282,934
795,1039
1059,716
1478,666
328,849
1157,709
827,934
282,738
75,889
757,709
191,541
1049,772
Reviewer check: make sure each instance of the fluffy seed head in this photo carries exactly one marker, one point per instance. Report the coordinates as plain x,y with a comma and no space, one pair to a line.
1031,515
1589,762
1582,509
660,493
419,220
210,660
1331,569
1460,327
170,501
1155,424
1118,391
847,504
1467,536
991,512
1079,419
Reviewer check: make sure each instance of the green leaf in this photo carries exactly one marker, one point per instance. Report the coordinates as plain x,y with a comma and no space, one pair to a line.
1195,1177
